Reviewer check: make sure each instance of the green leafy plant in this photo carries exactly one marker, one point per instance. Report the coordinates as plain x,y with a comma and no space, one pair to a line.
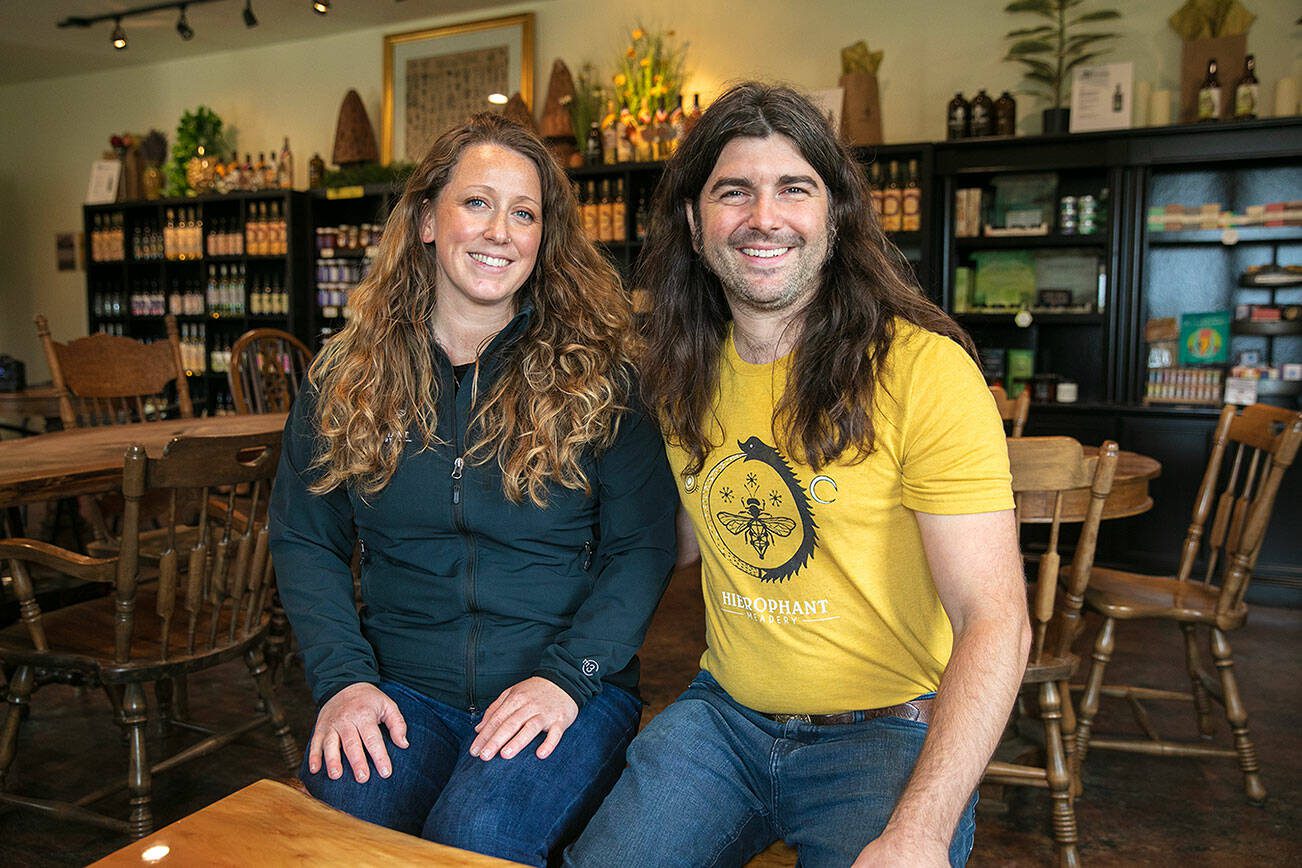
652,67
201,127
588,103
1050,51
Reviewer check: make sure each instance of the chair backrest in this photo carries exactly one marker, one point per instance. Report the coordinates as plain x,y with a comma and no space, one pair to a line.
215,582
111,380
1054,466
1013,410
267,367
1260,443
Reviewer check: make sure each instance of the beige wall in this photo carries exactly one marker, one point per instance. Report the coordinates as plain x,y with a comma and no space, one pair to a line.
53,129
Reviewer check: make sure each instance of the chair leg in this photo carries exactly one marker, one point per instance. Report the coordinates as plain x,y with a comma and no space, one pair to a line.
1058,776
1104,644
1237,715
278,641
20,691
1194,664
134,718
1069,734
258,669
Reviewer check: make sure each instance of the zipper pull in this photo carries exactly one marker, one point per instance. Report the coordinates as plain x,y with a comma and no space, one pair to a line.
456,479
587,555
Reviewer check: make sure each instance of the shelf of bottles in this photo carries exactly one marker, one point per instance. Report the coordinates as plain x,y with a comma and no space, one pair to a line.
344,255
220,264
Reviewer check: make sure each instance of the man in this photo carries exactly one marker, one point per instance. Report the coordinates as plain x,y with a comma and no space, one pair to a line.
844,470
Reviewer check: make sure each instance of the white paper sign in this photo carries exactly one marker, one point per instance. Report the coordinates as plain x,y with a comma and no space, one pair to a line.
104,176
1101,97
1240,390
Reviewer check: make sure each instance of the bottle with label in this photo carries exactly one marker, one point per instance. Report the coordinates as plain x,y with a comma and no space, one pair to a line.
677,127
1209,95
956,117
315,172
875,189
645,134
1005,115
982,114
892,199
605,214
660,132
1245,91
1117,99
641,218
609,135
625,129
591,214
694,116
285,167
592,147
911,201
250,178
619,214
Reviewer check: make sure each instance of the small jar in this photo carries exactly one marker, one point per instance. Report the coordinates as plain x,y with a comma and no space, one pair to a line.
1067,392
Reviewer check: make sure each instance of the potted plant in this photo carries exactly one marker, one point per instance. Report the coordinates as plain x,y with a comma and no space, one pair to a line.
1050,51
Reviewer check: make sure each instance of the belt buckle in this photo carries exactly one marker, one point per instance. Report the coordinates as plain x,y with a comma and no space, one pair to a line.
784,718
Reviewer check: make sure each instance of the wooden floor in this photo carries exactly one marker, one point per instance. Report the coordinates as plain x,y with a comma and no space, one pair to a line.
1136,810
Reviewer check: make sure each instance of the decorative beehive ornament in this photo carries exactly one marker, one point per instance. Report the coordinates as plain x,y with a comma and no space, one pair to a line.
517,111
556,127
354,135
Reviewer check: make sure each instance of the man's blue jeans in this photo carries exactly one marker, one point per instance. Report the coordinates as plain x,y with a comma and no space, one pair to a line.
521,808
710,782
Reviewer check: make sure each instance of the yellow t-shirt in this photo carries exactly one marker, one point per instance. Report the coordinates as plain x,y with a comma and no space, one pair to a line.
818,597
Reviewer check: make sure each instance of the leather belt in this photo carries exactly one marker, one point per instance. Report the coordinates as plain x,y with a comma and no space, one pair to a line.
917,709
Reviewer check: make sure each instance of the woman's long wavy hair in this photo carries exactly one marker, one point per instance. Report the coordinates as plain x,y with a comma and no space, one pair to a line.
562,382
848,326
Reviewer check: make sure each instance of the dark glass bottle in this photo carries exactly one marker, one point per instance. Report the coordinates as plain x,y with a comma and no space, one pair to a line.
956,117
1005,115
1246,91
983,114
1209,95
592,150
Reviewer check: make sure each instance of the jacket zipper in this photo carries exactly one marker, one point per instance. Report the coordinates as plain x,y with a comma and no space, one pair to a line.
458,507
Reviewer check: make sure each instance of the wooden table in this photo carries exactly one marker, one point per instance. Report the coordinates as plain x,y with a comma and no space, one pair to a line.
269,823
89,460
37,402
1129,492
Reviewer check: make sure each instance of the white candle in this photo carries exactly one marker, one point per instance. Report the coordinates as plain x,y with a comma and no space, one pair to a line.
1143,96
1159,109
1286,98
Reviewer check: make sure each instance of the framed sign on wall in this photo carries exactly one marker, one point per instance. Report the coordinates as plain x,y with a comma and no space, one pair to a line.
434,79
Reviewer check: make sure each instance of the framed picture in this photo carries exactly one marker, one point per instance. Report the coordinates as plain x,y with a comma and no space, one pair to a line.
435,79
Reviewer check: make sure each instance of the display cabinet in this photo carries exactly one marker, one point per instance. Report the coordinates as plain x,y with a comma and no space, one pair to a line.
220,264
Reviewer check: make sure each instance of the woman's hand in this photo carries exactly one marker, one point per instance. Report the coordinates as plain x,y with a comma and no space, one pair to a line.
351,720
520,713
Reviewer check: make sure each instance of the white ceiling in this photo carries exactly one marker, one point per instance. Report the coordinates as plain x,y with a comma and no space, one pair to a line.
33,47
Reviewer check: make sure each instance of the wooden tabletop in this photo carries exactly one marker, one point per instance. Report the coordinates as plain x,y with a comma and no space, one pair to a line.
89,460
269,823
1129,491
36,401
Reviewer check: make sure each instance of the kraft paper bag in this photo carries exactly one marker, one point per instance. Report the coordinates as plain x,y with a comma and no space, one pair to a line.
861,114
1228,52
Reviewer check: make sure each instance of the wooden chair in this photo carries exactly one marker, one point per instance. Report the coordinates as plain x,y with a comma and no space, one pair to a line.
1048,468
153,631
267,368
1013,410
109,380
1265,442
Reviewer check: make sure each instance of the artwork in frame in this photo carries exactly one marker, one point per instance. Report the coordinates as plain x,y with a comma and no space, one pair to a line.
434,79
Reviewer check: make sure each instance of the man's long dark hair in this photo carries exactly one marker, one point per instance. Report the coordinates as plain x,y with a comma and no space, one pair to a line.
848,326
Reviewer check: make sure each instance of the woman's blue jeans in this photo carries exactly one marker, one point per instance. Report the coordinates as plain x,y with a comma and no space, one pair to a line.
521,808
711,782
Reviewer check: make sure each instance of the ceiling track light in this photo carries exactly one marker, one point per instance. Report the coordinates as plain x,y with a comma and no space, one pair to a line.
320,7
183,28
119,38
250,20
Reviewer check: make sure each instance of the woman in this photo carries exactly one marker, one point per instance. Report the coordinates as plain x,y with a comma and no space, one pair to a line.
470,430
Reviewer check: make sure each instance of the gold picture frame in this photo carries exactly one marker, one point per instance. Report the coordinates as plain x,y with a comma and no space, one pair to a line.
433,76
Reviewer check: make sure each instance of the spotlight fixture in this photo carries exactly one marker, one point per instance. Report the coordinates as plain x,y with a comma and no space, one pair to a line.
183,28
119,38
320,7
250,20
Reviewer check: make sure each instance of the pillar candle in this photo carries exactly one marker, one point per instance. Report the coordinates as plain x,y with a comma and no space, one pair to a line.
1286,98
1159,110
1143,96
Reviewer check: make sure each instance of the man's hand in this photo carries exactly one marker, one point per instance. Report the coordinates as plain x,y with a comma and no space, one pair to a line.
896,848
351,719
520,713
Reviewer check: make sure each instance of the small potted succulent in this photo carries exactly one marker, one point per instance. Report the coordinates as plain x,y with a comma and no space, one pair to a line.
1051,50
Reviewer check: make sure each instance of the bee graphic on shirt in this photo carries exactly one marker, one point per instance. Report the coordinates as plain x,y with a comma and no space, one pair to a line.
755,525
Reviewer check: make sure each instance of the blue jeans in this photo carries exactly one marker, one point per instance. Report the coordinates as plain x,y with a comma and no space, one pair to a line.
521,808
710,782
